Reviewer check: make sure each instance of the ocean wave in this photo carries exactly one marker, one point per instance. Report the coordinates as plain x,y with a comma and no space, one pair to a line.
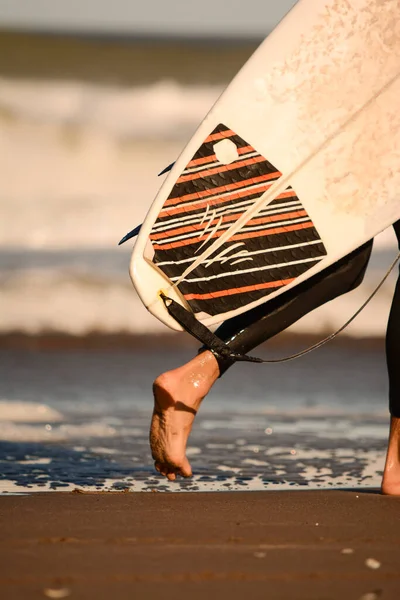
28,412
16,432
52,301
165,109
82,160
81,300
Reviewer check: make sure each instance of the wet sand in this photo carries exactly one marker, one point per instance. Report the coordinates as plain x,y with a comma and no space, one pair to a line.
281,545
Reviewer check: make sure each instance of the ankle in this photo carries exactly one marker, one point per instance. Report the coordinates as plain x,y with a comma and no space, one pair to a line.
392,464
394,437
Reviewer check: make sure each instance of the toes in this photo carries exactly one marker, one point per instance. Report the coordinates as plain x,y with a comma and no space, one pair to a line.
171,471
186,469
165,470
162,469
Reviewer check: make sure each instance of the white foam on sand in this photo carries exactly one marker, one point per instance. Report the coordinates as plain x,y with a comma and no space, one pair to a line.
35,461
314,478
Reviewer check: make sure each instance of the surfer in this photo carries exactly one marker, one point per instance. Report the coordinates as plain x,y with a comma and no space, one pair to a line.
178,394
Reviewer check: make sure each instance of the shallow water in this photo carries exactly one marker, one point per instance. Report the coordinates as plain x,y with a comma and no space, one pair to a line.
79,419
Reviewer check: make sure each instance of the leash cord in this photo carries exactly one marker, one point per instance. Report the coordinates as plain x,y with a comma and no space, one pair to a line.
190,324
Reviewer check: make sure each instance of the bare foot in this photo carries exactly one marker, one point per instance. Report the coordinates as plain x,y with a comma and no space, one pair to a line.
177,398
391,475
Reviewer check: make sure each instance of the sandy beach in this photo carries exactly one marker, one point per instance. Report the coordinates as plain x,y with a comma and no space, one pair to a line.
286,545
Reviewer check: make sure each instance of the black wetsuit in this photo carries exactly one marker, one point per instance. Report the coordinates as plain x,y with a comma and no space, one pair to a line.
246,331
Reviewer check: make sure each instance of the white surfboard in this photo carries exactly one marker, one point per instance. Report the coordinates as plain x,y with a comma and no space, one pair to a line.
296,165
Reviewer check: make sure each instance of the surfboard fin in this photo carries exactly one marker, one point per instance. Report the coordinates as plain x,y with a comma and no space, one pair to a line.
166,169
130,235
135,231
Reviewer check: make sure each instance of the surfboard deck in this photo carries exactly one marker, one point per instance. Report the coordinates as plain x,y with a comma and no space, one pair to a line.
295,166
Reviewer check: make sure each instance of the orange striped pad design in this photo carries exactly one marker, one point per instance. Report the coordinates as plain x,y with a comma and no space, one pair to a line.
270,251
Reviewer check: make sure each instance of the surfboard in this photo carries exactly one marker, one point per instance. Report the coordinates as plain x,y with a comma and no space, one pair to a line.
295,166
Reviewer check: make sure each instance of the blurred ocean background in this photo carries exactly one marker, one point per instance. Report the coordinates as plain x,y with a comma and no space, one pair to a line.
94,104
86,124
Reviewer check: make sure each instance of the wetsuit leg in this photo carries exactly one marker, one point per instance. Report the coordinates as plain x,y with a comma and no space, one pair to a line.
393,345
246,331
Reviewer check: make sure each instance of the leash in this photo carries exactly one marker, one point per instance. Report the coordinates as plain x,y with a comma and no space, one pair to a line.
189,323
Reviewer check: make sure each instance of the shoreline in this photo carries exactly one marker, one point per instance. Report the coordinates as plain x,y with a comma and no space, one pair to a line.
126,341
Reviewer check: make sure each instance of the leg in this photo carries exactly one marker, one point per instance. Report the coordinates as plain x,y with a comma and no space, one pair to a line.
178,394
391,476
